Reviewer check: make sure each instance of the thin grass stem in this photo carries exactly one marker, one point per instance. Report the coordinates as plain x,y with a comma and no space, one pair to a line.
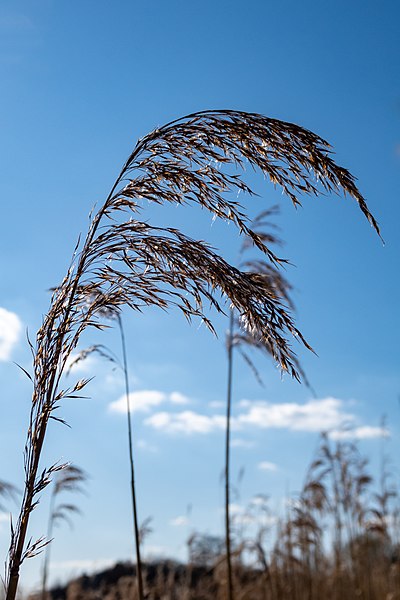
230,589
139,574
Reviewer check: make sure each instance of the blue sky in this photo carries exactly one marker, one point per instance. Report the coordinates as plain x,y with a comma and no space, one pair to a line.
80,82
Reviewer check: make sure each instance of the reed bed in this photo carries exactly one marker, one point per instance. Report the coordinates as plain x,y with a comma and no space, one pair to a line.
338,539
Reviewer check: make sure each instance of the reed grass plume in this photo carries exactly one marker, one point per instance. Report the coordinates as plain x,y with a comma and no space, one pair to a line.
70,480
124,261
7,491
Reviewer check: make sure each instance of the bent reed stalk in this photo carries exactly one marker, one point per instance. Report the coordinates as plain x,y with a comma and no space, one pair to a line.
124,261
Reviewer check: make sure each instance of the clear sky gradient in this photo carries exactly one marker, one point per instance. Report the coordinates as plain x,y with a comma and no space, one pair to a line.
80,82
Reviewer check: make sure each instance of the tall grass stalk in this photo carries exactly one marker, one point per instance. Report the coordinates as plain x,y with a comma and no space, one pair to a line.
241,340
139,574
125,261
227,458
105,353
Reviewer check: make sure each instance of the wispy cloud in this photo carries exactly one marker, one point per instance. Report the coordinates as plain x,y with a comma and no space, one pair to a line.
10,330
146,446
88,565
364,432
179,521
145,400
265,465
216,404
241,443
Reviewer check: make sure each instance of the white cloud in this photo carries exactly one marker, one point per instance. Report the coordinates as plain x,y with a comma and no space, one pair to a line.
325,414
315,415
259,500
88,565
10,329
145,400
236,509
179,521
153,552
240,515
85,365
247,516
244,403
263,519
267,466
216,404
186,422
359,433
141,401
178,398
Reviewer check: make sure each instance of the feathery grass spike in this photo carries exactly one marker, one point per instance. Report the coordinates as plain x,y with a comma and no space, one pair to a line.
7,490
125,261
